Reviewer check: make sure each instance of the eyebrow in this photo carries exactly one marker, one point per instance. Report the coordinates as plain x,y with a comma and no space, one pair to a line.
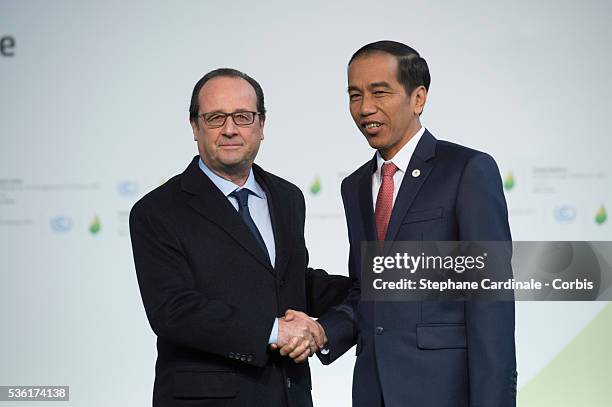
239,110
379,85
382,84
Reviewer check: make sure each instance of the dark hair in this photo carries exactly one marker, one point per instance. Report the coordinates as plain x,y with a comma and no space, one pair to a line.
194,106
412,70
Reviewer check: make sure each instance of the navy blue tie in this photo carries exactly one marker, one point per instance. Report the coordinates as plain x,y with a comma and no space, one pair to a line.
242,196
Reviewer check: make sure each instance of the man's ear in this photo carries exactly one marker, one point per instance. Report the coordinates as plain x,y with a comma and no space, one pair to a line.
194,129
420,98
262,122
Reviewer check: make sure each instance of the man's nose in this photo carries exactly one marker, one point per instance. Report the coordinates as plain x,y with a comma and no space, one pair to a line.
229,128
367,106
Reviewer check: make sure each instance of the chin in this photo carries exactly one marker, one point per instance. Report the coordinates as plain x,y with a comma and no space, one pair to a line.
232,163
375,142
235,161
231,157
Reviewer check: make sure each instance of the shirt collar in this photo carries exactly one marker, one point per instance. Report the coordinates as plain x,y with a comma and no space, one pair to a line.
402,158
227,187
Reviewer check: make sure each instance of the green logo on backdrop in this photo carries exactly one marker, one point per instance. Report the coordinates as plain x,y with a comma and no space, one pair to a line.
315,187
601,216
509,182
95,226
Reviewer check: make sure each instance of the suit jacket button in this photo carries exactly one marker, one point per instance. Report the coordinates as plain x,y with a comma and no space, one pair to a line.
250,358
379,330
243,358
288,382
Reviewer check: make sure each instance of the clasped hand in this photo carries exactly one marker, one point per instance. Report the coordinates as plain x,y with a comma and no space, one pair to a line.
299,336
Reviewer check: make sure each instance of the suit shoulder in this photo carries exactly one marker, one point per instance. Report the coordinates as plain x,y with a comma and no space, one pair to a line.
358,173
448,148
159,199
460,153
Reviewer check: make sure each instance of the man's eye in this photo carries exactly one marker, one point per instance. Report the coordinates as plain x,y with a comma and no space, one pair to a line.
379,92
354,96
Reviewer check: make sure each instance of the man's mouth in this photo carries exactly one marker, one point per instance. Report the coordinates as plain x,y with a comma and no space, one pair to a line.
371,127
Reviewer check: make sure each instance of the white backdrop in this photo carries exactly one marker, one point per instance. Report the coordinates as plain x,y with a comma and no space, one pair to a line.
94,113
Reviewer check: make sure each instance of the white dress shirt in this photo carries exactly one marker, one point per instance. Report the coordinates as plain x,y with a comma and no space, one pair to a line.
401,161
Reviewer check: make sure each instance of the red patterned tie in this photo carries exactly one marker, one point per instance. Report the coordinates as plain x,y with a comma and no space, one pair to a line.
384,200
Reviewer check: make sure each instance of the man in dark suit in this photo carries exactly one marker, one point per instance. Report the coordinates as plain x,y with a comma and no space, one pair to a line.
220,255
418,188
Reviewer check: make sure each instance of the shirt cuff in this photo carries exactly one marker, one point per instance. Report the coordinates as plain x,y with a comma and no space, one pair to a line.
274,334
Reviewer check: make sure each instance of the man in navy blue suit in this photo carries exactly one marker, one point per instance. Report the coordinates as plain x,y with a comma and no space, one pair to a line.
418,188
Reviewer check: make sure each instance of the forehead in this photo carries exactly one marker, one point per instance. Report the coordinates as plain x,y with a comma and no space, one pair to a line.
373,67
227,94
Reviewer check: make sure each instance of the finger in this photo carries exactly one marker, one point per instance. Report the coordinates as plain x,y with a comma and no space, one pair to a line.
299,352
318,334
325,340
313,348
302,358
297,314
273,346
289,347
290,315
304,346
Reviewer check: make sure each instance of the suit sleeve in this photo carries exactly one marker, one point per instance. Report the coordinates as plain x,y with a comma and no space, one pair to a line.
322,289
483,216
177,311
340,322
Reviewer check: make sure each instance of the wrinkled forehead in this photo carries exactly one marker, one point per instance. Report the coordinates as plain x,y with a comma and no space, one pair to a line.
227,94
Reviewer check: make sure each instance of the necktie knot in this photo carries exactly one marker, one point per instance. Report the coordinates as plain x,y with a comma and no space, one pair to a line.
242,196
388,169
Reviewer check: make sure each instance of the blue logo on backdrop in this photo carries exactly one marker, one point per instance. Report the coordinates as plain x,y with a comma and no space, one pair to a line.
127,189
61,224
565,213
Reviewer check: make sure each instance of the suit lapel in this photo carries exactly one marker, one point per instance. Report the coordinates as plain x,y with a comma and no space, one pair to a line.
209,202
366,204
425,150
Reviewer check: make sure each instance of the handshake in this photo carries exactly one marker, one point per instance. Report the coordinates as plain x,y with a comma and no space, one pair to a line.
299,336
